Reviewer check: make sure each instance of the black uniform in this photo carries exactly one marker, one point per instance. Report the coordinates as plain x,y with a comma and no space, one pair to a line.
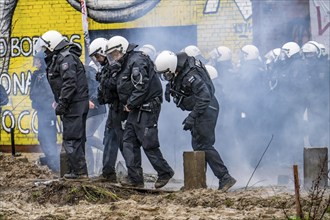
139,88
67,78
193,91
113,133
42,100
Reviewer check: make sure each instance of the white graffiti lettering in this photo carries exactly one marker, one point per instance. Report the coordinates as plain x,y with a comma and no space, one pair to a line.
9,121
19,120
14,83
25,46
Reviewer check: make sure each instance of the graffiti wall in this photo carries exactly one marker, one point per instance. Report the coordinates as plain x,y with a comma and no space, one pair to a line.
320,21
167,24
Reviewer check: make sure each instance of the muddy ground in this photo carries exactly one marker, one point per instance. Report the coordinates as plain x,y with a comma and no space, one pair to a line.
30,191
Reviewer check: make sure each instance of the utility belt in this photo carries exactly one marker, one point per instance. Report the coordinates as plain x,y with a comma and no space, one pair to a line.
151,106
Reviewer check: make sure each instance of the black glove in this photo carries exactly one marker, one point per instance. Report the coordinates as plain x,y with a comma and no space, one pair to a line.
60,109
100,97
168,92
188,123
98,76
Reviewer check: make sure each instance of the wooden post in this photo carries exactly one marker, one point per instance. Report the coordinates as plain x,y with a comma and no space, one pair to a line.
12,137
64,163
297,194
194,170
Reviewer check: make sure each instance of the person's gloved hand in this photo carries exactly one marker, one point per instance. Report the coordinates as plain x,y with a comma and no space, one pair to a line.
60,109
188,123
98,76
168,92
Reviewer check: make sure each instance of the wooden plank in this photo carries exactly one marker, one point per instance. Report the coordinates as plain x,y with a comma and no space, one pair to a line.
194,170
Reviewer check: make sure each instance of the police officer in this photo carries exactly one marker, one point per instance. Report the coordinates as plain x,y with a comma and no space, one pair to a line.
67,78
291,103
140,91
107,94
316,68
193,91
249,101
42,99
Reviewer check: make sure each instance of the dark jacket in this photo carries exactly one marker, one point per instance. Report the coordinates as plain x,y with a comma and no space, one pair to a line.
138,82
107,92
192,88
66,75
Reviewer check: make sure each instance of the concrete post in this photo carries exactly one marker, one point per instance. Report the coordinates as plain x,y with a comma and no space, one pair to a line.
315,167
194,169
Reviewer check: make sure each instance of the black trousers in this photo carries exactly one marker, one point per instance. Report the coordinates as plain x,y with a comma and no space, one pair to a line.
113,139
143,131
203,139
74,136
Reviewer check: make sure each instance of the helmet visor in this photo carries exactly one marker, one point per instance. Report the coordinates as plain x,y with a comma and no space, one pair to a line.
94,60
114,55
40,45
284,54
110,58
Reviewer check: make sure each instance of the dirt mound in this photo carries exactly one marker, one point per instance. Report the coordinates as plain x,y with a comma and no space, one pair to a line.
72,192
16,169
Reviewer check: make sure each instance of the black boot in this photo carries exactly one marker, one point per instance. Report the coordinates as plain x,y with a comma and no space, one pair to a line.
226,182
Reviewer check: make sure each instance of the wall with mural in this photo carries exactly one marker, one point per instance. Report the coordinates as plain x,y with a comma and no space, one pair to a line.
167,24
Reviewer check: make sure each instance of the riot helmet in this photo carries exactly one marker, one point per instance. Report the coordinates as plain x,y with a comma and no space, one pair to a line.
249,52
166,64
49,41
149,50
116,48
288,50
192,51
220,54
213,73
310,50
97,51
